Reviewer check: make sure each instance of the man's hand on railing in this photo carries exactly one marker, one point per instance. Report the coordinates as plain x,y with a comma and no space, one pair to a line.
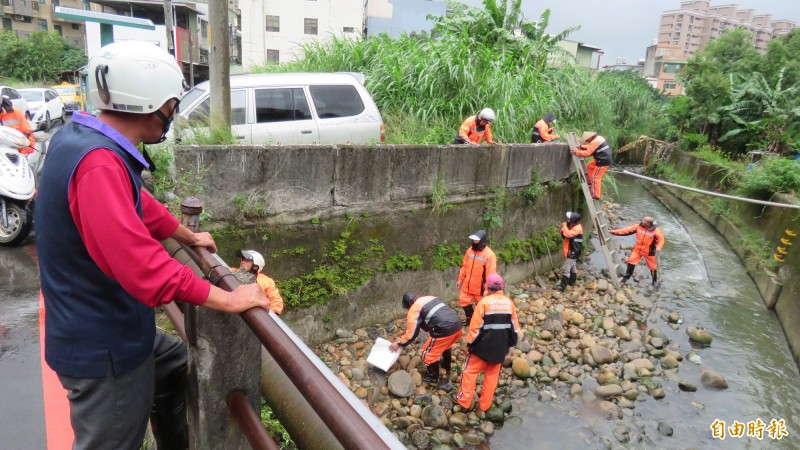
242,298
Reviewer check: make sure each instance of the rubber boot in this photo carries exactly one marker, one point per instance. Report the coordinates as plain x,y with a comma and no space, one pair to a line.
563,285
447,362
432,375
573,277
468,311
628,273
654,274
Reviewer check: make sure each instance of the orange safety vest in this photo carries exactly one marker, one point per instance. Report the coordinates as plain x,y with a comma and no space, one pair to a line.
494,328
647,242
16,120
544,131
469,131
573,240
475,268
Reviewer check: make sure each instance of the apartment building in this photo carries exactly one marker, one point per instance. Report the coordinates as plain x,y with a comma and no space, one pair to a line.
24,17
697,22
276,30
662,65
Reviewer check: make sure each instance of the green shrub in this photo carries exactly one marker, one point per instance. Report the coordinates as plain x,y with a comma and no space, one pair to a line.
691,141
771,176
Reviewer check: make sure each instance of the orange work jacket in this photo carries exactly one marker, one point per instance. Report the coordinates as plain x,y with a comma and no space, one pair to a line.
475,268
16,120
271,289
573,240
469,131
494,328
545,131
647,242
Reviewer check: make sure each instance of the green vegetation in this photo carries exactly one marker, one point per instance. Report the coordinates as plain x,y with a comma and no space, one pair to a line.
534,190
446,256
401,263
275,428
769,177
439,204
516,251
496,200
40,57
425,85
715,155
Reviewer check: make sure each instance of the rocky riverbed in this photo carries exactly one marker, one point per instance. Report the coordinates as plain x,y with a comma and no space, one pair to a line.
595,351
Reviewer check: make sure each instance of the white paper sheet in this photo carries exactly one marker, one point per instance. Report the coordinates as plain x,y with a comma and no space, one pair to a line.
381,357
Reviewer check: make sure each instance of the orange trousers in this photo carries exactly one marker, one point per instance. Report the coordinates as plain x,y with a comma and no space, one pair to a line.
469,377
636,257
434,347
595,175
466,299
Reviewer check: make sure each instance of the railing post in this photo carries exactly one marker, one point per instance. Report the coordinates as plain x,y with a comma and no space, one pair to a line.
224,356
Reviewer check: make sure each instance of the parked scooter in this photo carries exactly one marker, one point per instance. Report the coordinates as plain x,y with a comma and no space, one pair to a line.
17,188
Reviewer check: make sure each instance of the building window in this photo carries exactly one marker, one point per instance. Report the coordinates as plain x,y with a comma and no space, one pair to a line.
348,30
43,24
76,26
6,23
671,68
310,26
6,2
274,23
58,30
56,2
273,55
204,28
669,85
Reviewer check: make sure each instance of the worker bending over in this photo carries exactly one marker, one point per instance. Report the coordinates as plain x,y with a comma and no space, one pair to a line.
649,240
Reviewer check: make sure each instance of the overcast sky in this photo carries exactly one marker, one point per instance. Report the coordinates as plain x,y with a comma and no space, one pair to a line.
625,28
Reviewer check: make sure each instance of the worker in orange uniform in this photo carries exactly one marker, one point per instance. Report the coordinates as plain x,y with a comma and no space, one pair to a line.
572,232
494,329
543,130
476,128
478,263
649,240
13,118
596,146
252,262
431,314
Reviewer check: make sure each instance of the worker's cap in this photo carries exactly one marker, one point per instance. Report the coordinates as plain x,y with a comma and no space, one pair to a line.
549,117
477,236
495,281
573,216
588,135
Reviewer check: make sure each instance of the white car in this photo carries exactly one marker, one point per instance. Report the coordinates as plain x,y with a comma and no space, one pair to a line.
45,106
16,100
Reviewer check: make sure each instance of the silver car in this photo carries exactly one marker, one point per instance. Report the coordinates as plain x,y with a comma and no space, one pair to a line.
16,99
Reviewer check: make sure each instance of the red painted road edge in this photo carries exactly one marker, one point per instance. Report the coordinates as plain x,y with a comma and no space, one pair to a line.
56,406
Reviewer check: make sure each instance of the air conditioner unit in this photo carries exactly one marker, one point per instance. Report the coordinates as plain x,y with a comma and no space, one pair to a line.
203,59
19,17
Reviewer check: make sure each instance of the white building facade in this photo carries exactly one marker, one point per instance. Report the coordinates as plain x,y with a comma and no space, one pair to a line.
275,30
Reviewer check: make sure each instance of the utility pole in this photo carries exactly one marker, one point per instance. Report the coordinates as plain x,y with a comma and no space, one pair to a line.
168,26
219,64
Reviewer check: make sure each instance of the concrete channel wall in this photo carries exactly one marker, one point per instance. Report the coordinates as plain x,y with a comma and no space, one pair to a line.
781,290
304,198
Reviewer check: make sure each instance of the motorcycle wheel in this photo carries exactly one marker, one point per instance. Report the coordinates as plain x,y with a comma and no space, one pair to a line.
19,225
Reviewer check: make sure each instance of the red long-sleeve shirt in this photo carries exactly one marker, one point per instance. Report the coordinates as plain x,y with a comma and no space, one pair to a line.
123,246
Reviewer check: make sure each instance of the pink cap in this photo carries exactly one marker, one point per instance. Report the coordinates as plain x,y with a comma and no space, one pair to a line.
495,280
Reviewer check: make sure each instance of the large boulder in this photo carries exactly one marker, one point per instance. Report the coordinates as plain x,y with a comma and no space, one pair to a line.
401,384
712,379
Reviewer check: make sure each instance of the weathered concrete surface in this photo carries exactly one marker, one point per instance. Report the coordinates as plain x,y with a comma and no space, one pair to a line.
283,184
779,292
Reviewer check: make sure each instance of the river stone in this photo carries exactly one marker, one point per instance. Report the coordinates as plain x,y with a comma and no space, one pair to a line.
534,356
472,438
631,394
685,385
694,358
546,361
623,333
440,436
602,285
625,403
420,439
434,416
712,379
487,428
356,374
669,362
607,378
402,361
608,323
601,355
341,333
401,423
658,393
495,414
643,363
458,440
567,378
577,318
674,317
458,419
524,346
609,410
657,342
575,389
701,337
415,411
506,406
664,429
546,335
521,368
623,434
545,396
608,391
401,384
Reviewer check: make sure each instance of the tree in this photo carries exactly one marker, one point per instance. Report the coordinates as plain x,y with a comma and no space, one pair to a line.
39,57
783,55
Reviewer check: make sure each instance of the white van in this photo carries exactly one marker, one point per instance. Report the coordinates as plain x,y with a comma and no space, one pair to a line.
291,109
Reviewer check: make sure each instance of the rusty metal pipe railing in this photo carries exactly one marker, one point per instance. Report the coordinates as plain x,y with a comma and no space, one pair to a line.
250,423
349,427
175,316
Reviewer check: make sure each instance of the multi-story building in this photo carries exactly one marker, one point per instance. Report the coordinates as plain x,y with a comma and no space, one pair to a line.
276,30
697,22
27,16
662,65
395,17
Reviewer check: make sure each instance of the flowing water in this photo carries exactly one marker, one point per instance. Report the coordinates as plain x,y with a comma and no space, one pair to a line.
749,349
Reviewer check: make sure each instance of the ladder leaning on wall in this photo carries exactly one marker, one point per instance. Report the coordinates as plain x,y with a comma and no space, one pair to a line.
599,218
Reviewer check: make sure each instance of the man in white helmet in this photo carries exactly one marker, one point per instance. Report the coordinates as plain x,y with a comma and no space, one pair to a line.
102,267
476,128
253,263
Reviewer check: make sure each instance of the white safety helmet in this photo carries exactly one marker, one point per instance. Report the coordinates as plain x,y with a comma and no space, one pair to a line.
134,77
254,256
487,114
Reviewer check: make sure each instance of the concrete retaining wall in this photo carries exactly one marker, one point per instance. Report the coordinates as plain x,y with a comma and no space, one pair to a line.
780,292
379,194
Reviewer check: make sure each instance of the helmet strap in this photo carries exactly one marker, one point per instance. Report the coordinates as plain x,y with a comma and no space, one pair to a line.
166,122
102,86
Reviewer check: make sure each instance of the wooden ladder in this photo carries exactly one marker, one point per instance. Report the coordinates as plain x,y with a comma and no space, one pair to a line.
599,218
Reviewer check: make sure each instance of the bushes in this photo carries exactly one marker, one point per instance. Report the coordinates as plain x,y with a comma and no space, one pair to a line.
691,141
771,176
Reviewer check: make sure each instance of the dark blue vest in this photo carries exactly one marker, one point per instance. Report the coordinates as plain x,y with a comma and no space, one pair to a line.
93,327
